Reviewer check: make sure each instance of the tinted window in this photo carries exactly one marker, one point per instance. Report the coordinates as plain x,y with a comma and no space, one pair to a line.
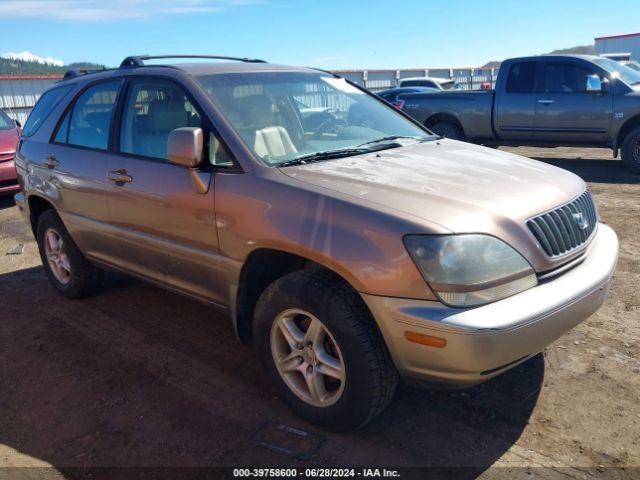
89,120
564,78
522,76
153,109
43,108
5,122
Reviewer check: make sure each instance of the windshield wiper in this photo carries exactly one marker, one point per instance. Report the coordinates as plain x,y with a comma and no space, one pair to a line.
329,154
391,138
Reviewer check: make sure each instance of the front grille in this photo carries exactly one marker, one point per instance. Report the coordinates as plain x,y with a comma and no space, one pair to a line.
567,227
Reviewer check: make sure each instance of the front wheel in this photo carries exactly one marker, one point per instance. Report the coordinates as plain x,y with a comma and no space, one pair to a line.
322,350
630,150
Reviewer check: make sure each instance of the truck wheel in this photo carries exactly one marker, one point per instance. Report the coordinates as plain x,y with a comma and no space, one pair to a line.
323,351
630,150
448,130
69,272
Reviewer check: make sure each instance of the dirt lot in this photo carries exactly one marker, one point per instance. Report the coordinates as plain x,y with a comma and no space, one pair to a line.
136,376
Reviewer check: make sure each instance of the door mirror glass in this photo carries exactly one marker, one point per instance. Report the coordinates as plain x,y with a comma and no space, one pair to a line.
594,84
184,146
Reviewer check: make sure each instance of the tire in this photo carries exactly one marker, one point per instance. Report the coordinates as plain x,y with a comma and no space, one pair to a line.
68,271
448,129
369,378
630,150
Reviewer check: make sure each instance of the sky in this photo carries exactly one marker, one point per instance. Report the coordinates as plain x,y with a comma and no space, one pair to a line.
331,34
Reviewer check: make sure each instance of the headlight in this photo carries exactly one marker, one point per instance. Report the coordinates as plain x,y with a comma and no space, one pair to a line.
470,270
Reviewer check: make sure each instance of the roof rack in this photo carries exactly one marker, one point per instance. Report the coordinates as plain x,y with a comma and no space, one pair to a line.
78,72
138,60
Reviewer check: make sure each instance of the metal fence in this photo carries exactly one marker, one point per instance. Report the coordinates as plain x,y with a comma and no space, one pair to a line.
18,94
376,80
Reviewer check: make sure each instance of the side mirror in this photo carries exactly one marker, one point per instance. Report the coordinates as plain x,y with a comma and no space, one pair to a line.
594,83
185,146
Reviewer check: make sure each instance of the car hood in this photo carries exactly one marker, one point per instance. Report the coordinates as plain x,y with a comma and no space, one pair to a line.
460,186
8,140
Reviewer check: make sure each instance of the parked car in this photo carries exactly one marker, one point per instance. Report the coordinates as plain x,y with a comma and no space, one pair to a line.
391,95
9,135
430,82
550,100
348,258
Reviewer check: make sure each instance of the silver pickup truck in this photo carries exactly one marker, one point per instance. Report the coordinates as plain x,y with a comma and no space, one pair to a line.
550,100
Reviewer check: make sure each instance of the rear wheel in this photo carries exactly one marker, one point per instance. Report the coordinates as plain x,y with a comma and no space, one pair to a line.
448,129
69,272
630,150
322,350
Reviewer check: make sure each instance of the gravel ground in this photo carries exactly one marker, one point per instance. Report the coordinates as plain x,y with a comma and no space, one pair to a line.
137,376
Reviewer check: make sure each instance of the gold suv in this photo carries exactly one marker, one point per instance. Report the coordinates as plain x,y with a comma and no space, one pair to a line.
347,242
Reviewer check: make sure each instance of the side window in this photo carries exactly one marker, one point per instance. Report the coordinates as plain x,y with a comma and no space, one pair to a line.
521,77
152,109
87,123
43,108
564,78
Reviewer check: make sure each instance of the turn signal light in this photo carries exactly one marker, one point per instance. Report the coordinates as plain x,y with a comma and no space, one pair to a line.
428,340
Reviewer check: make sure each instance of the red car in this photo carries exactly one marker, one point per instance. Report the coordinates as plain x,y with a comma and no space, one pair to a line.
9,136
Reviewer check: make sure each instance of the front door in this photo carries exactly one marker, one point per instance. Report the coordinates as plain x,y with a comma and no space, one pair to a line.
163,214
565,111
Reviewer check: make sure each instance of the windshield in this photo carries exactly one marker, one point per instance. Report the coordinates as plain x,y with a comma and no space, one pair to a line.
5,122
284,116
617,70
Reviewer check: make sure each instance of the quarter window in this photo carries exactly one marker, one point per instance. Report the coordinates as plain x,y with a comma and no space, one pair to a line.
564,78
153,108
521,79
87,123
43,108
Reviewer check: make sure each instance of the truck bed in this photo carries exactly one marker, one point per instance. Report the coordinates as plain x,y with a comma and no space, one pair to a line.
473,109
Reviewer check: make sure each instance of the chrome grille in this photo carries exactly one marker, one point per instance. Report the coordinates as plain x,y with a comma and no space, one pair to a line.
567,227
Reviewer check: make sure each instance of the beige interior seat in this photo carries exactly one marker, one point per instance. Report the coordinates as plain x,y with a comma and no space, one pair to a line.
262,131
273,141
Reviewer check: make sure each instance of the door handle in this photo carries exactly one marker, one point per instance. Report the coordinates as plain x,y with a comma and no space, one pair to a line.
120,176
545,101
50,162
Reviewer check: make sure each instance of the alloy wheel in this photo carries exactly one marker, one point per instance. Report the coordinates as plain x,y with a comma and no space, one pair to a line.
308,357
56,254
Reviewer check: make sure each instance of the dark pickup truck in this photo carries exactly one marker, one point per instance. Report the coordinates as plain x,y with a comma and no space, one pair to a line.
548,100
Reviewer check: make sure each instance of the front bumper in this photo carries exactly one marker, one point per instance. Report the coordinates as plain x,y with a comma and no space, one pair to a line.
485,341
8,177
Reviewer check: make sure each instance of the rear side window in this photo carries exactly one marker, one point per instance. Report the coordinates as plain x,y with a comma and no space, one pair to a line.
565,78
43,108
87,123
522,77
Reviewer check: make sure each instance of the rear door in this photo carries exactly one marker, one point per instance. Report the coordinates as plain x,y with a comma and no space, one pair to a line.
163,217
78,161
565,111
515,103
